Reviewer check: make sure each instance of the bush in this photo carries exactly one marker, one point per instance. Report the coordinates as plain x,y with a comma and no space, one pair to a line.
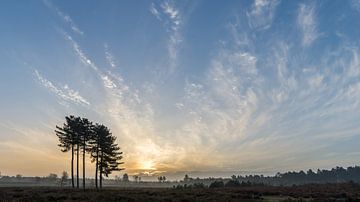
199,185
216,184
232,183
246,184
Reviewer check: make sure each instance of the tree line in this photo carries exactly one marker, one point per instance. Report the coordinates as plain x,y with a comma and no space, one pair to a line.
334,175
80,137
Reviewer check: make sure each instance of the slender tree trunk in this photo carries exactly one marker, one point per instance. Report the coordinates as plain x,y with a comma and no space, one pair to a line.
101,169
77,166
97,165
84,147
72,166
100,177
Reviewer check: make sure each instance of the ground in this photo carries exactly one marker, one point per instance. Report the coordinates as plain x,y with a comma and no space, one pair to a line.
327,192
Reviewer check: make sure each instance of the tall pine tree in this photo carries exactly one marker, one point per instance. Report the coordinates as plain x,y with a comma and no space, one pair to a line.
68,140
105,152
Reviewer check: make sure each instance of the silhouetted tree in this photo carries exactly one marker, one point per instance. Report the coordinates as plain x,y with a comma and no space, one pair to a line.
105,152
64,178
136,178
162,178
187,178
52,176
85,134
95,139
68,139
126,177
96,142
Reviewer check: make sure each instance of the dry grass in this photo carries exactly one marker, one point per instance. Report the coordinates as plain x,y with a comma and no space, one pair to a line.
329,192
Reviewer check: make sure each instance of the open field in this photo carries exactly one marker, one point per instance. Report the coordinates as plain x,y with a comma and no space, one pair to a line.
326,192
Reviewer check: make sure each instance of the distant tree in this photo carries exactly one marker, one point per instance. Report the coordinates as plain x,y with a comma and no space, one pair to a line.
18,176
233,177
126,177
136,178
186,178
162,178
64,178
52,176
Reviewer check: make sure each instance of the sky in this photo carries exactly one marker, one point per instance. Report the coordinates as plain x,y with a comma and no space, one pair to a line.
186,86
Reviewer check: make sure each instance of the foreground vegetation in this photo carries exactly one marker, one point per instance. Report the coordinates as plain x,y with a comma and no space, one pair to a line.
324,192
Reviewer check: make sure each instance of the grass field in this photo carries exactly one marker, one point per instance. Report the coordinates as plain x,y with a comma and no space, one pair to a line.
327,192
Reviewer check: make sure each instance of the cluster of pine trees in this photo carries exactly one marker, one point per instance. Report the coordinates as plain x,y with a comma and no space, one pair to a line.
81,136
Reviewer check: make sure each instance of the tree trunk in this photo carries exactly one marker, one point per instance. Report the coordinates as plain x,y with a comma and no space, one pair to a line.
77,166
72,166
96,170
101,169
84,147
100,177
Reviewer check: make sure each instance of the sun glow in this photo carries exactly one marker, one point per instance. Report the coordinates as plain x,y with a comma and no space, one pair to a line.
147,165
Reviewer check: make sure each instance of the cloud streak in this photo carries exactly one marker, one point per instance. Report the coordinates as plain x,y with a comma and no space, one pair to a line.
307,23
110,59
65,93
65,17
167,13
262,13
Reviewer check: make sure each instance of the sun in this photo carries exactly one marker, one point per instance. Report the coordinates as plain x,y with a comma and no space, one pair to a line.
147,165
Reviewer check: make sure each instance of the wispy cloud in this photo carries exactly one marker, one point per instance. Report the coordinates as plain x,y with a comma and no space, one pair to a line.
79,52
355,4
155,11
243,107
64,92
170,15
110,59
64,17
307,23
262,13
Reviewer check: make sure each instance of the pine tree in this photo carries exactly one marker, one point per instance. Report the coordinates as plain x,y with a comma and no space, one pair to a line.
85,133
105,152
68,140
78,130
99,133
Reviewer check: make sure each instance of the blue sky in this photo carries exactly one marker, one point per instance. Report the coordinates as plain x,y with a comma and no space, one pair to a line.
259,86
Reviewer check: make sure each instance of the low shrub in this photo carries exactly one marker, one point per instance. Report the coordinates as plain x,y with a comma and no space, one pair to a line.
216,184
232,183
